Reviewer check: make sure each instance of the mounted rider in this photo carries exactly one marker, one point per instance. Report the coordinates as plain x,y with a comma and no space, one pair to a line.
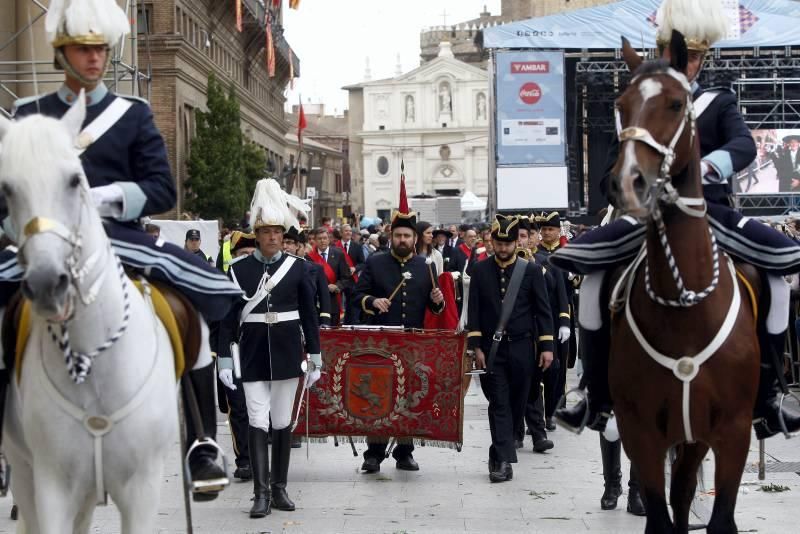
726,147
125,162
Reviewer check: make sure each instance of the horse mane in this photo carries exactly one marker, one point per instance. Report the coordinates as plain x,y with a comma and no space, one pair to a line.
652,67
45,138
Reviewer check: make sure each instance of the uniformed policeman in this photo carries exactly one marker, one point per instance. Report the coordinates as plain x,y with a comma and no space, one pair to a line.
125,161
269,327
530,327
379,278
726,147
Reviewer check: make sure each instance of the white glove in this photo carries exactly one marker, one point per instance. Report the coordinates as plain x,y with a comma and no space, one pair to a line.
563,334
226,377
312,377
108,199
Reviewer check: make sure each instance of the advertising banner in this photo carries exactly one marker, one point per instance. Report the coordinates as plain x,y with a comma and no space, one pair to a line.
530,108
776,168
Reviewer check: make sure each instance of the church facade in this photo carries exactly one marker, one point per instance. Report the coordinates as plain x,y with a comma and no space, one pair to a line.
434,120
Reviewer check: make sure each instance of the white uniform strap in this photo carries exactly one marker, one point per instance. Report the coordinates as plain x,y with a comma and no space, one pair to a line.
102,123
266,285
703,101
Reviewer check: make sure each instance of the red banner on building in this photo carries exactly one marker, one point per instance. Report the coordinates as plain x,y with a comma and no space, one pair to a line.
389,384
239,15
270,49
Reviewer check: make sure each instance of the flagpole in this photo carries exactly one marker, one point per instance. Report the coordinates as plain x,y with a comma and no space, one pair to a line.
300,154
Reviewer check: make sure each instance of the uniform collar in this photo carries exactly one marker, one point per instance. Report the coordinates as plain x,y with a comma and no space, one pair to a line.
550,248
505,264
93,97
401,260
268,261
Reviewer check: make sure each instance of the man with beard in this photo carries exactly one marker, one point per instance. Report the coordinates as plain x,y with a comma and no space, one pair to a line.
508,351
381,275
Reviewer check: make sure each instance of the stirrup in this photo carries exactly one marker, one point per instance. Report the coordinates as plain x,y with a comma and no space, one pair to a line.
215,485
784,430
562,403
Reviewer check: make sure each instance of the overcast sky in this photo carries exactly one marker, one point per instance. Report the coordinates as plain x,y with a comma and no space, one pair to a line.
333,38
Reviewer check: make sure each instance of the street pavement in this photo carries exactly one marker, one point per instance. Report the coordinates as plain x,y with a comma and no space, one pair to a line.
556,492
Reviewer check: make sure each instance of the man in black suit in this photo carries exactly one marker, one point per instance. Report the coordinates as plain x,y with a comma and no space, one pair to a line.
337,272
441,242
352,248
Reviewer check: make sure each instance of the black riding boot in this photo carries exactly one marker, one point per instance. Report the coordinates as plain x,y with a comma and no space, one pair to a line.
635,503
202,462
768,411
611,452
281,451
259,464
594,356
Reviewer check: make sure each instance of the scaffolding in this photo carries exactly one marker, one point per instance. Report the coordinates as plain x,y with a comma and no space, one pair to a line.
21,78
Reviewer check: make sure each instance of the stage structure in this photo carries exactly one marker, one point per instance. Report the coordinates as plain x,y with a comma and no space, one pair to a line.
759,62
26,58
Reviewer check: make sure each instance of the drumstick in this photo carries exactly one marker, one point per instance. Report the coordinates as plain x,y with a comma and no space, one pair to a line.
429,261
406,276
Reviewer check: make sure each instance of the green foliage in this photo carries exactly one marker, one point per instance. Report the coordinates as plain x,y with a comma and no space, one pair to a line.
223,166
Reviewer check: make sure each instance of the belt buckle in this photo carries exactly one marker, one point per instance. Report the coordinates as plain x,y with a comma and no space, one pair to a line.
271,317
497,337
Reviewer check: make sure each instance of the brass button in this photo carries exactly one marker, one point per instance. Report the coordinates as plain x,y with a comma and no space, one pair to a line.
404,316
404,304
503,280
502,290
404,293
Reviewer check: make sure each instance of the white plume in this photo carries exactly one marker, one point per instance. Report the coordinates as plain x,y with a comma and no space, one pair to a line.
84,17
695,19
271,205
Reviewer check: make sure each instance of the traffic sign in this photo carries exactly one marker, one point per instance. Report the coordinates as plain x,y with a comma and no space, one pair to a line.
311,192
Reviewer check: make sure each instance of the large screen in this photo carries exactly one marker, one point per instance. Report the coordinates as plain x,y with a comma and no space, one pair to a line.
776,168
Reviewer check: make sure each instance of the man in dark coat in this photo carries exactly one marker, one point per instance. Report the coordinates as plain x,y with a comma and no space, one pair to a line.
530,327
337,271
294,243
383,273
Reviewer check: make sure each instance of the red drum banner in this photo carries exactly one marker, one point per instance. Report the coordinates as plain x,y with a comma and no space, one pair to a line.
389,384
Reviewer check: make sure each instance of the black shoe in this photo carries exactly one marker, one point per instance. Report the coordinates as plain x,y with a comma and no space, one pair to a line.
549,425
297,443
243,473
635,504
542,445
281,452
492,464
610,496
581,416
518,444
371,465
502,472
407,463
204,468
770,417
259,462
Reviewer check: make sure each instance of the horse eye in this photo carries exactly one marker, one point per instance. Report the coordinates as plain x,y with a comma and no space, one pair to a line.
676,105
75,180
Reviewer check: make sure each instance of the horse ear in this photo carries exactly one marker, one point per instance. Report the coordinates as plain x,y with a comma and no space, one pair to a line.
678,52
630,56
73,118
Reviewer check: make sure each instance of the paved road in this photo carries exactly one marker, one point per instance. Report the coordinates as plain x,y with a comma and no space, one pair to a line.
557,492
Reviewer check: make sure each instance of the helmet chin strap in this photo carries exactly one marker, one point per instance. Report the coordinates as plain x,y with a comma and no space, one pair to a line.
70,70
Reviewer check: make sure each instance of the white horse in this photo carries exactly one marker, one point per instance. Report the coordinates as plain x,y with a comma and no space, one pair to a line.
70,443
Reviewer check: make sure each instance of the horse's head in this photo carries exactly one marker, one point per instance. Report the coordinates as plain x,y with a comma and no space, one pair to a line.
656,126
42,180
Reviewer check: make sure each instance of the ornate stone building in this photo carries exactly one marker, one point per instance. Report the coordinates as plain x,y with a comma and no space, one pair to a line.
175,45
434,119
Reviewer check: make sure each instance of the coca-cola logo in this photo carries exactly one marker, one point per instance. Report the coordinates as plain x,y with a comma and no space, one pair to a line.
530,93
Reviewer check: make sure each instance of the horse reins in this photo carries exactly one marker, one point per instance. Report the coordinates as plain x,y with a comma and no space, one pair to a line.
663,192
79,363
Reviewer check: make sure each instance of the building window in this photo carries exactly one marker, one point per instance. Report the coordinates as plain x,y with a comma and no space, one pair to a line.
143,18
339,184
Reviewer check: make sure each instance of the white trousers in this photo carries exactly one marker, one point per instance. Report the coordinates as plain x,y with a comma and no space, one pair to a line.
270,398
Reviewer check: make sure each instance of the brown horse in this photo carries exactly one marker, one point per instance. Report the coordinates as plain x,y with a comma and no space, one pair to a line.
684,364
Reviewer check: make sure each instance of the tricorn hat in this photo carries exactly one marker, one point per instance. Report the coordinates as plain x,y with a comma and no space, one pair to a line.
272,206
292,234
505,229
553,220
524,222
405,220
242,240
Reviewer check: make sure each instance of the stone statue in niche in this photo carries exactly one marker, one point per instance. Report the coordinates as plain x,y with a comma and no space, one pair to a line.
410,112
481,107
445,99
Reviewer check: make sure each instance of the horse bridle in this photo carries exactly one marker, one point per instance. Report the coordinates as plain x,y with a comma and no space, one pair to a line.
663,192
79,363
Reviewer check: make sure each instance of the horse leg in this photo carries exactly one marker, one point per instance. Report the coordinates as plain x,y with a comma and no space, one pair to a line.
55,500
22,490
684,483
648,459
730,457
83,519
138,498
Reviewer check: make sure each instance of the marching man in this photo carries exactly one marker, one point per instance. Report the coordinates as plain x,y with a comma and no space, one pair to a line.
271,327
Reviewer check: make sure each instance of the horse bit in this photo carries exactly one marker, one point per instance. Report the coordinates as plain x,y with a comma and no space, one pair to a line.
79,363
663,192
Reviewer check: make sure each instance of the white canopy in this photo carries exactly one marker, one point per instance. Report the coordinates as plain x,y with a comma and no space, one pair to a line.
471,202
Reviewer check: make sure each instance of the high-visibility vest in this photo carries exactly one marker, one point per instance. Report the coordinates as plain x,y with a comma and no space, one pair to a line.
226,255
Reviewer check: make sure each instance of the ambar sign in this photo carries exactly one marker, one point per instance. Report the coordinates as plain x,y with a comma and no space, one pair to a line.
530,67
530,93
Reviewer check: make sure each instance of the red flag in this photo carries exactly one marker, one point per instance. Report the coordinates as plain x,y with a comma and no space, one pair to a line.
301,124
294,4
403,197
239,15
270,51
276,3
448,318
